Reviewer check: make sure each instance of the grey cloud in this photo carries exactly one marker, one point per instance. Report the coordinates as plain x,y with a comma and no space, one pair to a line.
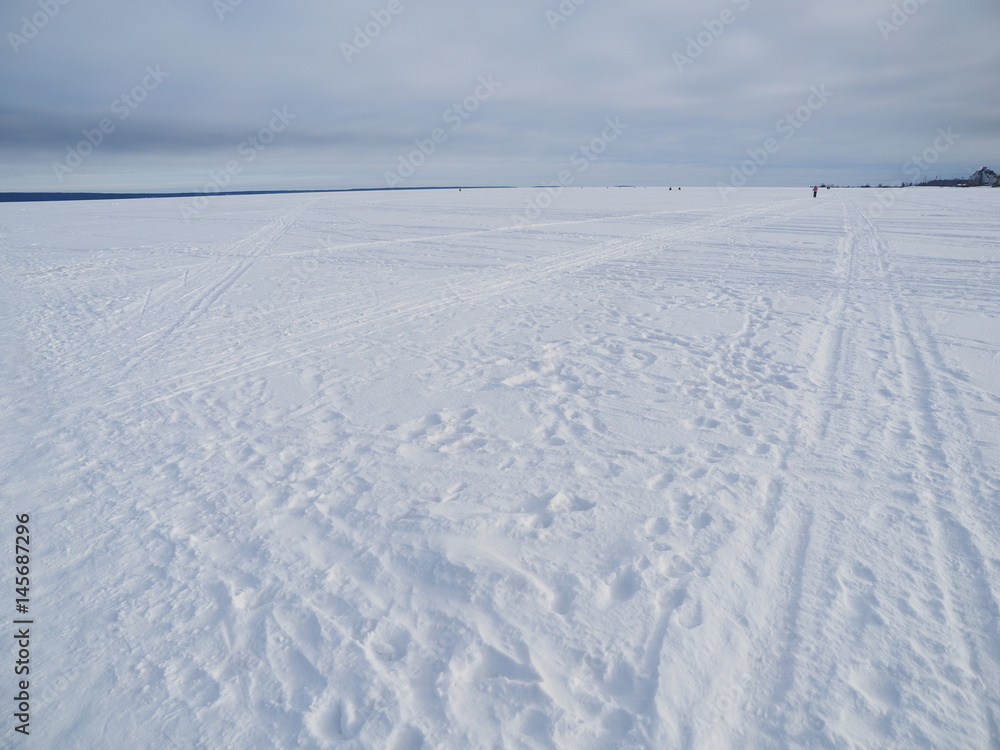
355,117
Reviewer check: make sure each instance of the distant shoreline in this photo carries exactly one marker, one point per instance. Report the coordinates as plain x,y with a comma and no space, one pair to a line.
42,196
37,197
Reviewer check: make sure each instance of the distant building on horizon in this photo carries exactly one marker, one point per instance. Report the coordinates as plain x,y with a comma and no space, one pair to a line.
984,177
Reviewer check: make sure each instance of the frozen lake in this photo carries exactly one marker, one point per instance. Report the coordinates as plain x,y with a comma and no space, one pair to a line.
643,469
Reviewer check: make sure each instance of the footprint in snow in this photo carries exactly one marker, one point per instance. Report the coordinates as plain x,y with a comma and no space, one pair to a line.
561,600
660,481
677,567
642,359
656,527
407,738
689,615
389,642
340,721
623,586
563,502
702,521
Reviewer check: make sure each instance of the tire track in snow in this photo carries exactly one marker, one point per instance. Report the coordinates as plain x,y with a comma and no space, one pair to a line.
247,250
453,290
839,596
838,396
496,230
791,525
808,494
521,276
449,293
950,491
740,376
472,279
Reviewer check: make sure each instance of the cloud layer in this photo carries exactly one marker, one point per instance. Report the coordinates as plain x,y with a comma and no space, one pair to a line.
701,88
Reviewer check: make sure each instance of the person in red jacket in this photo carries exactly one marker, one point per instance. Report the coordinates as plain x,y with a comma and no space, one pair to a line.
815,190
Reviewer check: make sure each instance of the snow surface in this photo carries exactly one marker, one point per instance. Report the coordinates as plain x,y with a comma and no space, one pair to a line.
378,470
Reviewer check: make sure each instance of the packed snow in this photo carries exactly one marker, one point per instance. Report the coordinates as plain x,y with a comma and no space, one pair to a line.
644,468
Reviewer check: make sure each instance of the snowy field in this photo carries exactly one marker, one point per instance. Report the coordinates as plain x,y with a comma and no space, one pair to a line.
379,470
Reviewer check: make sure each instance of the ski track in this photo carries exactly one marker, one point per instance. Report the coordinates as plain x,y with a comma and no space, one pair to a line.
246,251
709,477
952,495
959,585
425,302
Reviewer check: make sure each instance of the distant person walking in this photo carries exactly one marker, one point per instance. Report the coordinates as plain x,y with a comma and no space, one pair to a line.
815,190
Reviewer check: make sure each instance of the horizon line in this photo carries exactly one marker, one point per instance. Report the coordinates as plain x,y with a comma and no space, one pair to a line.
42,196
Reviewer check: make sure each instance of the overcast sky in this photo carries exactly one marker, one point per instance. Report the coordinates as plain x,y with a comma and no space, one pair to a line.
257,94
